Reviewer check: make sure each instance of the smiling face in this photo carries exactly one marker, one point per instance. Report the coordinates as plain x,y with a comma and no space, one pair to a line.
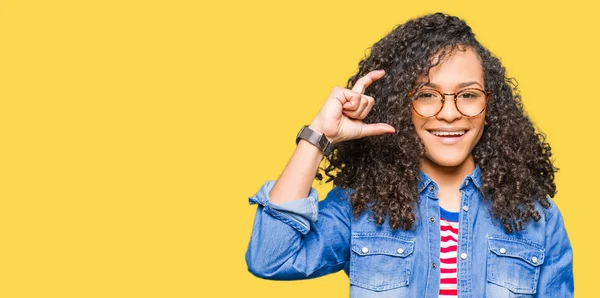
449,137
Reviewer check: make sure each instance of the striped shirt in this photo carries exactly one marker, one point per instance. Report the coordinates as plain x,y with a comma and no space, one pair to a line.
448,248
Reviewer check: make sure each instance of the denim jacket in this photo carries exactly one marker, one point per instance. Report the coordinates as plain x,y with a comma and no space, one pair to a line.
306,238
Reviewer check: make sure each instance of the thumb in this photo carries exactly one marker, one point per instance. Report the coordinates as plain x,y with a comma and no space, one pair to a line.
376,129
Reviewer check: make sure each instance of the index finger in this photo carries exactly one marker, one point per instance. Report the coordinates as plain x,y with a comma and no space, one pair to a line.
365,81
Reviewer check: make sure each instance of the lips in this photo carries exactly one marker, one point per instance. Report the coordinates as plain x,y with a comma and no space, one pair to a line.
449,136
441,133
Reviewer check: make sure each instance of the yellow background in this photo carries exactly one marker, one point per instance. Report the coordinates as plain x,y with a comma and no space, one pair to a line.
133,132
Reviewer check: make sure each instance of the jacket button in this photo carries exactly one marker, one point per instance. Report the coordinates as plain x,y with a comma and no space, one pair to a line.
431,219
466,208
534,260
400,250
433,265
365,250
431,188
463,256
466,182
503,250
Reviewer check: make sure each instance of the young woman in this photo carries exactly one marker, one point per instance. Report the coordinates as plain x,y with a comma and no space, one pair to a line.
442,185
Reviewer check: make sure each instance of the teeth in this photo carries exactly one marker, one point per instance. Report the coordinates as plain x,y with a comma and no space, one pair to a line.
448,133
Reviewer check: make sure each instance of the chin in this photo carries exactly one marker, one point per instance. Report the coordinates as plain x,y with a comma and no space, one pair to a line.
446,161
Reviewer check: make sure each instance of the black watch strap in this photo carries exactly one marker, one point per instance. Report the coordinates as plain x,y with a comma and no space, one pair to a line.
315,138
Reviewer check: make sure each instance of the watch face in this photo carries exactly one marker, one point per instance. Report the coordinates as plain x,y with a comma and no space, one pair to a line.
323,142
315,138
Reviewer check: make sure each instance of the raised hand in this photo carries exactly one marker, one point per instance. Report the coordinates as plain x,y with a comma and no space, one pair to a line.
340,118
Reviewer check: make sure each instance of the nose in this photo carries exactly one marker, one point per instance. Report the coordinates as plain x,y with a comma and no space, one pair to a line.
449,112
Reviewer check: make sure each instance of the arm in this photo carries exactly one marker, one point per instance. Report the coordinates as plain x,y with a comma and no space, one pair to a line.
556,276
293,241
340,119
288,242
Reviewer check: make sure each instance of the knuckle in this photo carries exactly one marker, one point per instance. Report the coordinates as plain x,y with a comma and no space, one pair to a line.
364,104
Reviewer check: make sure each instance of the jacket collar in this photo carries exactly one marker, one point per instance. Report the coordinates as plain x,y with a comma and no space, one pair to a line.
475,177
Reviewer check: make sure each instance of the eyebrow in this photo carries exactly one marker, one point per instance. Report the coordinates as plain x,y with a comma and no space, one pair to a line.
460,85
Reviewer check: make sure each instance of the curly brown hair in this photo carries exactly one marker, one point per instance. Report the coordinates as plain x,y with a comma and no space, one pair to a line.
516,169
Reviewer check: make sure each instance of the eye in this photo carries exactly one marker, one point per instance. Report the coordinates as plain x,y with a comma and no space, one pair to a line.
470,95
427,95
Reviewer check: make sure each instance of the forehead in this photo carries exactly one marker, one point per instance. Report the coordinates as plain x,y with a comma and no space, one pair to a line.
462,65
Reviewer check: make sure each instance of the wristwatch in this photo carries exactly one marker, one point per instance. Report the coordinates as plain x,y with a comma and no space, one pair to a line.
315,138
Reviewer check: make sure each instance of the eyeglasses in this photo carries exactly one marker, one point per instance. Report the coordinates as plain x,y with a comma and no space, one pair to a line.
469,102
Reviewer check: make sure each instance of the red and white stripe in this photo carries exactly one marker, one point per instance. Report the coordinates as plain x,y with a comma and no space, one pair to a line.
448,248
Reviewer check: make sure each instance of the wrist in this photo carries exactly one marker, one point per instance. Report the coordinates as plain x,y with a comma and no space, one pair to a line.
313,136
317,127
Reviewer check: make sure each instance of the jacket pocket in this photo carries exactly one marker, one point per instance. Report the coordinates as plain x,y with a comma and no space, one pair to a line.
514,264
380,261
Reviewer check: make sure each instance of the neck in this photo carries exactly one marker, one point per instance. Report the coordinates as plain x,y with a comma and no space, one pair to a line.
448,176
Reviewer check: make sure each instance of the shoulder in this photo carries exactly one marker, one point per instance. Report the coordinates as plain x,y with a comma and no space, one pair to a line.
550,214
551,225
337,198
340,193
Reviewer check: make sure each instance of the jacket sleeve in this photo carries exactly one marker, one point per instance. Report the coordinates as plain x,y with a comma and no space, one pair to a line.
556,276
299,239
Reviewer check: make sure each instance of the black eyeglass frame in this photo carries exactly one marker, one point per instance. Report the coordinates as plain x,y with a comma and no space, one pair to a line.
412,93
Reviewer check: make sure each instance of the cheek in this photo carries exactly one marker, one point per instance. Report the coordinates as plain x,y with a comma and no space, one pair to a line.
478,125
417,121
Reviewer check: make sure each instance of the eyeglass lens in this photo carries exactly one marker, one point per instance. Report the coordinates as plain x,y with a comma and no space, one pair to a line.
469,102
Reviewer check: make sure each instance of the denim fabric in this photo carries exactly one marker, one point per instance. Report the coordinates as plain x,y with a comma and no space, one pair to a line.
306,238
